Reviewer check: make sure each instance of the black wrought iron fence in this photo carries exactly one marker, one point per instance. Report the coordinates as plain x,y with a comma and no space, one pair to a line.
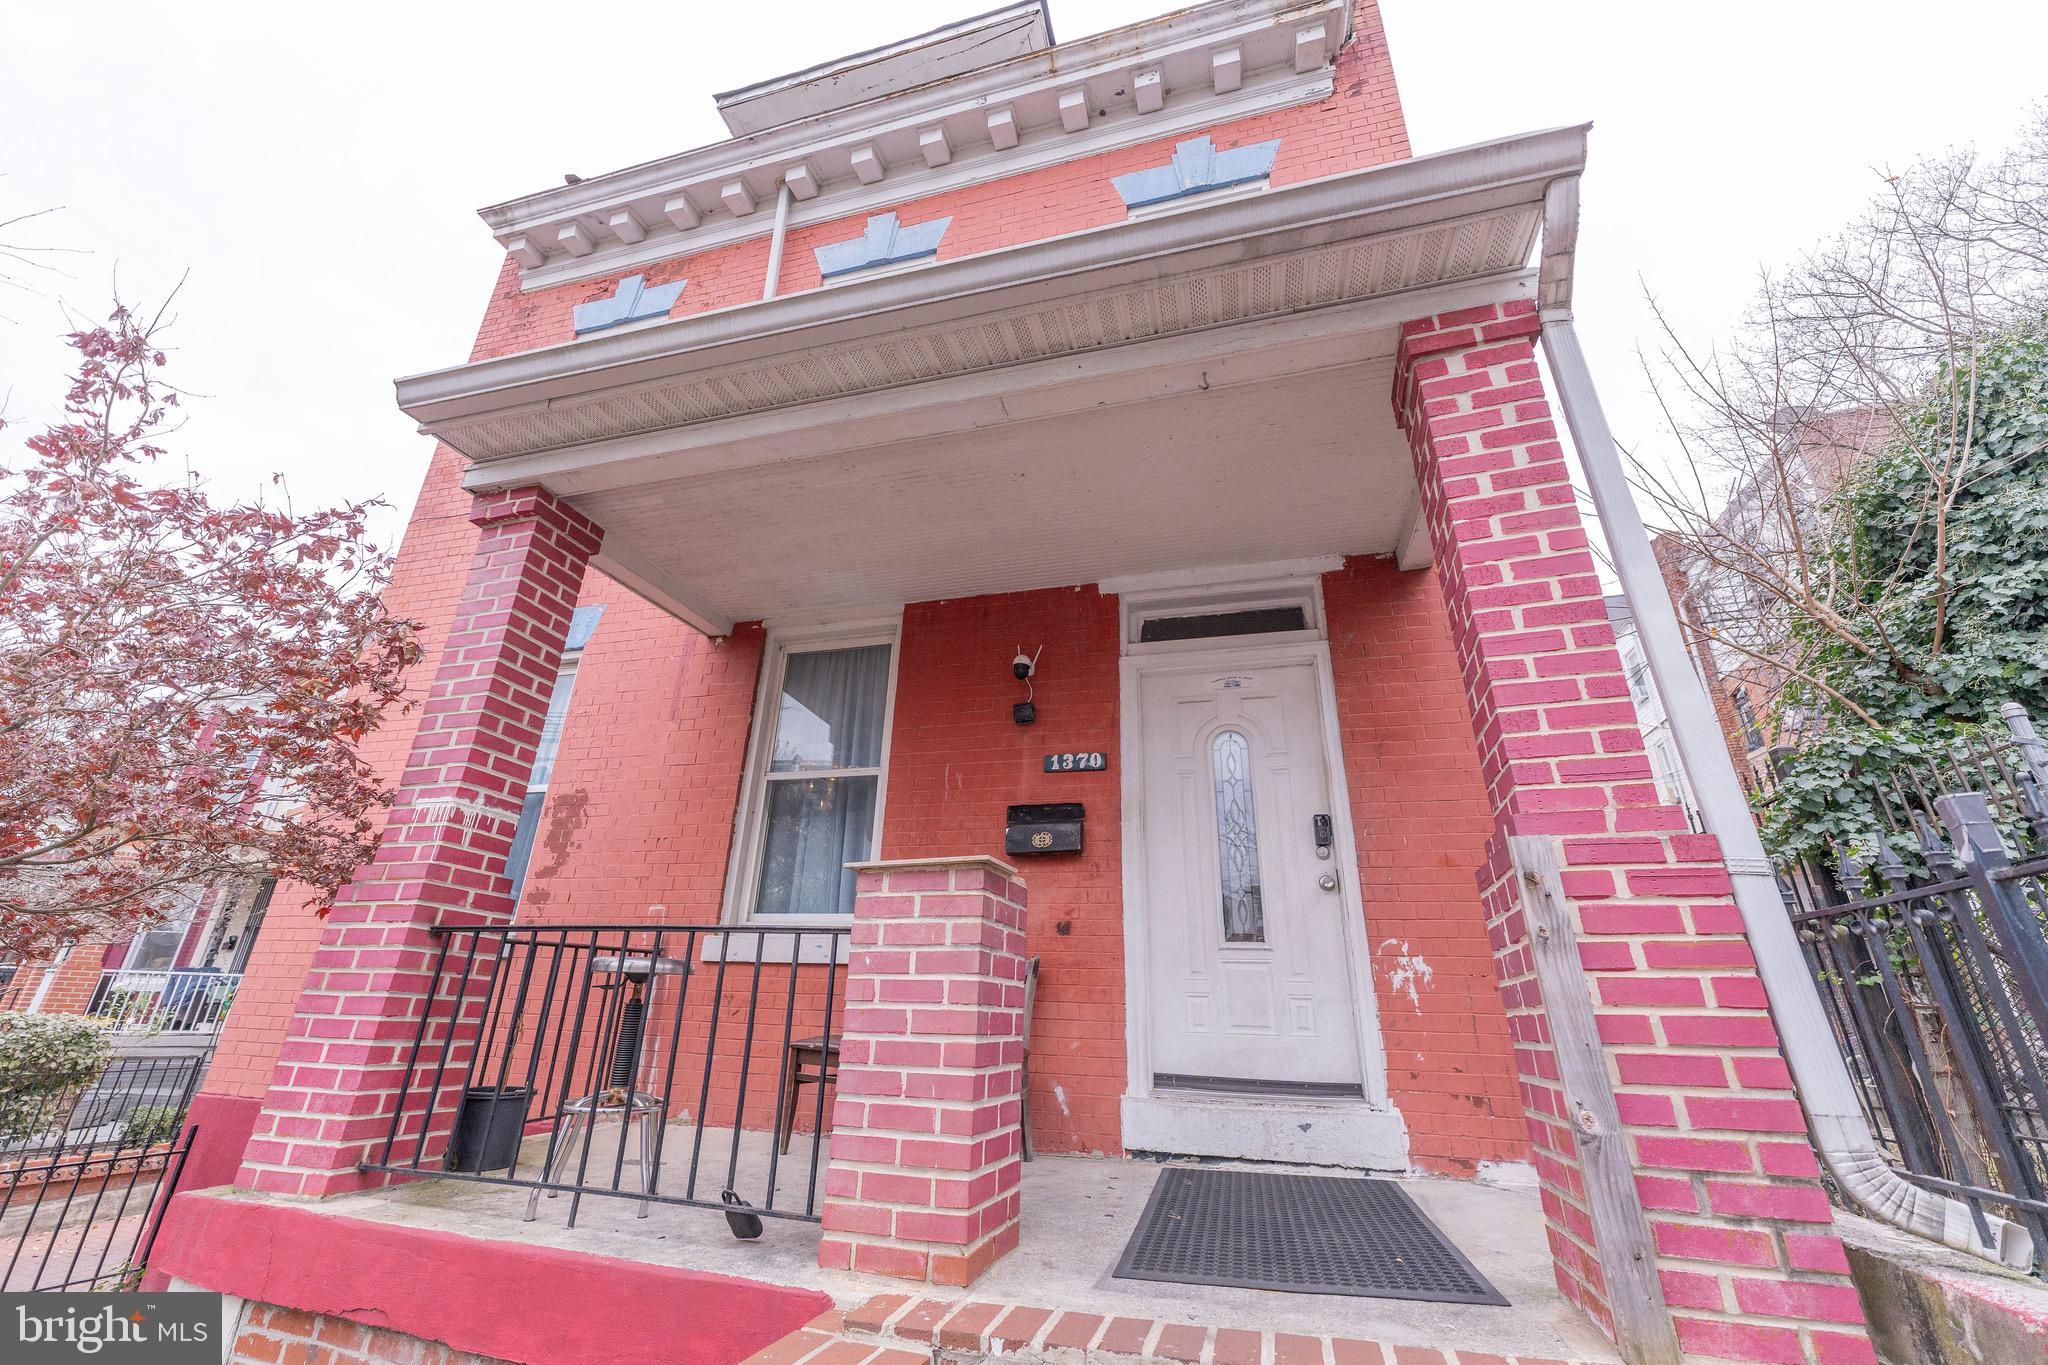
133,1098
663,1065
86,1217
1931,950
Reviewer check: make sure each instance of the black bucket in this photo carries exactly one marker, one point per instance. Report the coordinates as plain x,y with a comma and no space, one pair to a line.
488,1125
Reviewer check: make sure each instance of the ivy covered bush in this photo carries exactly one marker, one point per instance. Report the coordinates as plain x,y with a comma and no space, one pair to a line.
1964,613
46,1060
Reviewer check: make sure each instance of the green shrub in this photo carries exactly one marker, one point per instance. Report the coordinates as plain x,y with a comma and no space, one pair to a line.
46,1060
151,1123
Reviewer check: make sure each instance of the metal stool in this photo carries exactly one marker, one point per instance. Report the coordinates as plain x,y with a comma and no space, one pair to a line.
621,1094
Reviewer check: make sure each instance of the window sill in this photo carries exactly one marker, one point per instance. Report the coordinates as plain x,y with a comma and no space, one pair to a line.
742,945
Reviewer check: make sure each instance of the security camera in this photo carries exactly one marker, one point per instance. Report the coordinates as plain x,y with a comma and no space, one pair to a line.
1023,665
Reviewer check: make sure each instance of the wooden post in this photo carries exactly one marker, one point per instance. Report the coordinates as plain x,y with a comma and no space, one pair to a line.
1643,1330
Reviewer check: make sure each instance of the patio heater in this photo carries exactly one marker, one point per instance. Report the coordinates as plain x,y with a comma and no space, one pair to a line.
639,976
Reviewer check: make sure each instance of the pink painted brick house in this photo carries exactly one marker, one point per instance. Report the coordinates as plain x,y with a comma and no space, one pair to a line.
1040,580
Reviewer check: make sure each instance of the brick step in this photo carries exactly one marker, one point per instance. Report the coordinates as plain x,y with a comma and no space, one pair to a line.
895,1329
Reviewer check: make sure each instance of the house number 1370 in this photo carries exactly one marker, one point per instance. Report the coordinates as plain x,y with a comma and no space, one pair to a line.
1093,762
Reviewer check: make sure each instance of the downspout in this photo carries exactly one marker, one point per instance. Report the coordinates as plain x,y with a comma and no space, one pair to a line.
49,979
782,197
1840,1131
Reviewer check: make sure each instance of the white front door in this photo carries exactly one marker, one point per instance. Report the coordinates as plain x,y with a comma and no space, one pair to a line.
1250,983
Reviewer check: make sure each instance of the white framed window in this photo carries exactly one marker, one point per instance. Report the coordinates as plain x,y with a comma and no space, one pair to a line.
582,625
1279,611
543,768
155,949
817,767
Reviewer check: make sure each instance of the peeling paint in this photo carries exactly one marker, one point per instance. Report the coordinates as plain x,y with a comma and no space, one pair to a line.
1408,973
1059,1093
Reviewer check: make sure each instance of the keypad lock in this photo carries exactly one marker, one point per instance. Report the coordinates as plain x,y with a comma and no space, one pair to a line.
1326,835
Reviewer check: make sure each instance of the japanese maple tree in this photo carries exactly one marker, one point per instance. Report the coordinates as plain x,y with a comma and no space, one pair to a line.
185,684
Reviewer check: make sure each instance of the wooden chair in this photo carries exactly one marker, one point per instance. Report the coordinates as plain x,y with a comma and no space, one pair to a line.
812,1062
822,1062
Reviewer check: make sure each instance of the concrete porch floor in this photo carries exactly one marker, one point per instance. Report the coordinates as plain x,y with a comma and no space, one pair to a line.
1078,1212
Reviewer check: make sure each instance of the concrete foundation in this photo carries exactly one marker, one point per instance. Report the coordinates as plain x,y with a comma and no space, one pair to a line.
1078,1214
1929,1305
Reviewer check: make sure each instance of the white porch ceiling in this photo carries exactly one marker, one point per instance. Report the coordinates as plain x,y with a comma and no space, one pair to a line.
1306,465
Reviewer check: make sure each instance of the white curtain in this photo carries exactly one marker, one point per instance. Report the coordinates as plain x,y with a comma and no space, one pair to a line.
829,720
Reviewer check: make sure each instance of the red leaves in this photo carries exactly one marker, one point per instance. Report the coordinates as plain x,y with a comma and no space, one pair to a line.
184,686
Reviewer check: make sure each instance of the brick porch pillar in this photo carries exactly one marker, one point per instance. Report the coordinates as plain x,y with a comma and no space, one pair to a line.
926,1145
442,860
1749,1267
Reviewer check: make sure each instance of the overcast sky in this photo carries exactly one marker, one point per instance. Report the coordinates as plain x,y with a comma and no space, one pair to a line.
315,169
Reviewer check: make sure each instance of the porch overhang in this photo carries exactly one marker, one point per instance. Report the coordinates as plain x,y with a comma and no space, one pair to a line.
1203,387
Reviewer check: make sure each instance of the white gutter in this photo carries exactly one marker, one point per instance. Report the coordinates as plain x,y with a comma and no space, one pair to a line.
782,198
1840,1132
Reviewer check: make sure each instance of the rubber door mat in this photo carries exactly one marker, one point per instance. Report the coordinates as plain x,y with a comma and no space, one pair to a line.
1304,1234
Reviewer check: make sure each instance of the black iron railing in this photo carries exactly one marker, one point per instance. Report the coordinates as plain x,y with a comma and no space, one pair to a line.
1935,979
670,1065
86,1218
134,1099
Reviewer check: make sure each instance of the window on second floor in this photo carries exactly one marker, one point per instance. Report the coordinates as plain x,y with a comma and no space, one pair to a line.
1745,716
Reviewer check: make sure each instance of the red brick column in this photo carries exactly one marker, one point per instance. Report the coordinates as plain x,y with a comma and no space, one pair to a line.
926,1144
1749,1266
443,856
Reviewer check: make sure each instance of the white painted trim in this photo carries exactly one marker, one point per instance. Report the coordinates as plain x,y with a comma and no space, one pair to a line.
1187,29
1221,594
803,625
1182,203
1345,1133
1036,149
743,858
1103,64
877,72
1242,353
1250,652
740,946
875,272
232,1309
1137,584
49,979
1413,549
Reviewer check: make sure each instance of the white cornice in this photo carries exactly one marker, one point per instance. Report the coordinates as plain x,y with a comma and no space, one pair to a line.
954,49
1023,97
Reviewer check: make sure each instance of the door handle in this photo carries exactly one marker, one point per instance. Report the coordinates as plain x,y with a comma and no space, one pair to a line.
1328,881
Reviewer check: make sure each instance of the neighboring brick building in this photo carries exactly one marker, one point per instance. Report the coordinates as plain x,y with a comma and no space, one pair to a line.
1718,574
1150,365
178,975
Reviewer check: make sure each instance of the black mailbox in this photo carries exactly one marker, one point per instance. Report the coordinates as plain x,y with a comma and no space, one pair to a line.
1053,827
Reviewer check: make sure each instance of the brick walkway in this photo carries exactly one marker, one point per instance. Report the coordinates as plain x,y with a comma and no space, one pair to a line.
896,1329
